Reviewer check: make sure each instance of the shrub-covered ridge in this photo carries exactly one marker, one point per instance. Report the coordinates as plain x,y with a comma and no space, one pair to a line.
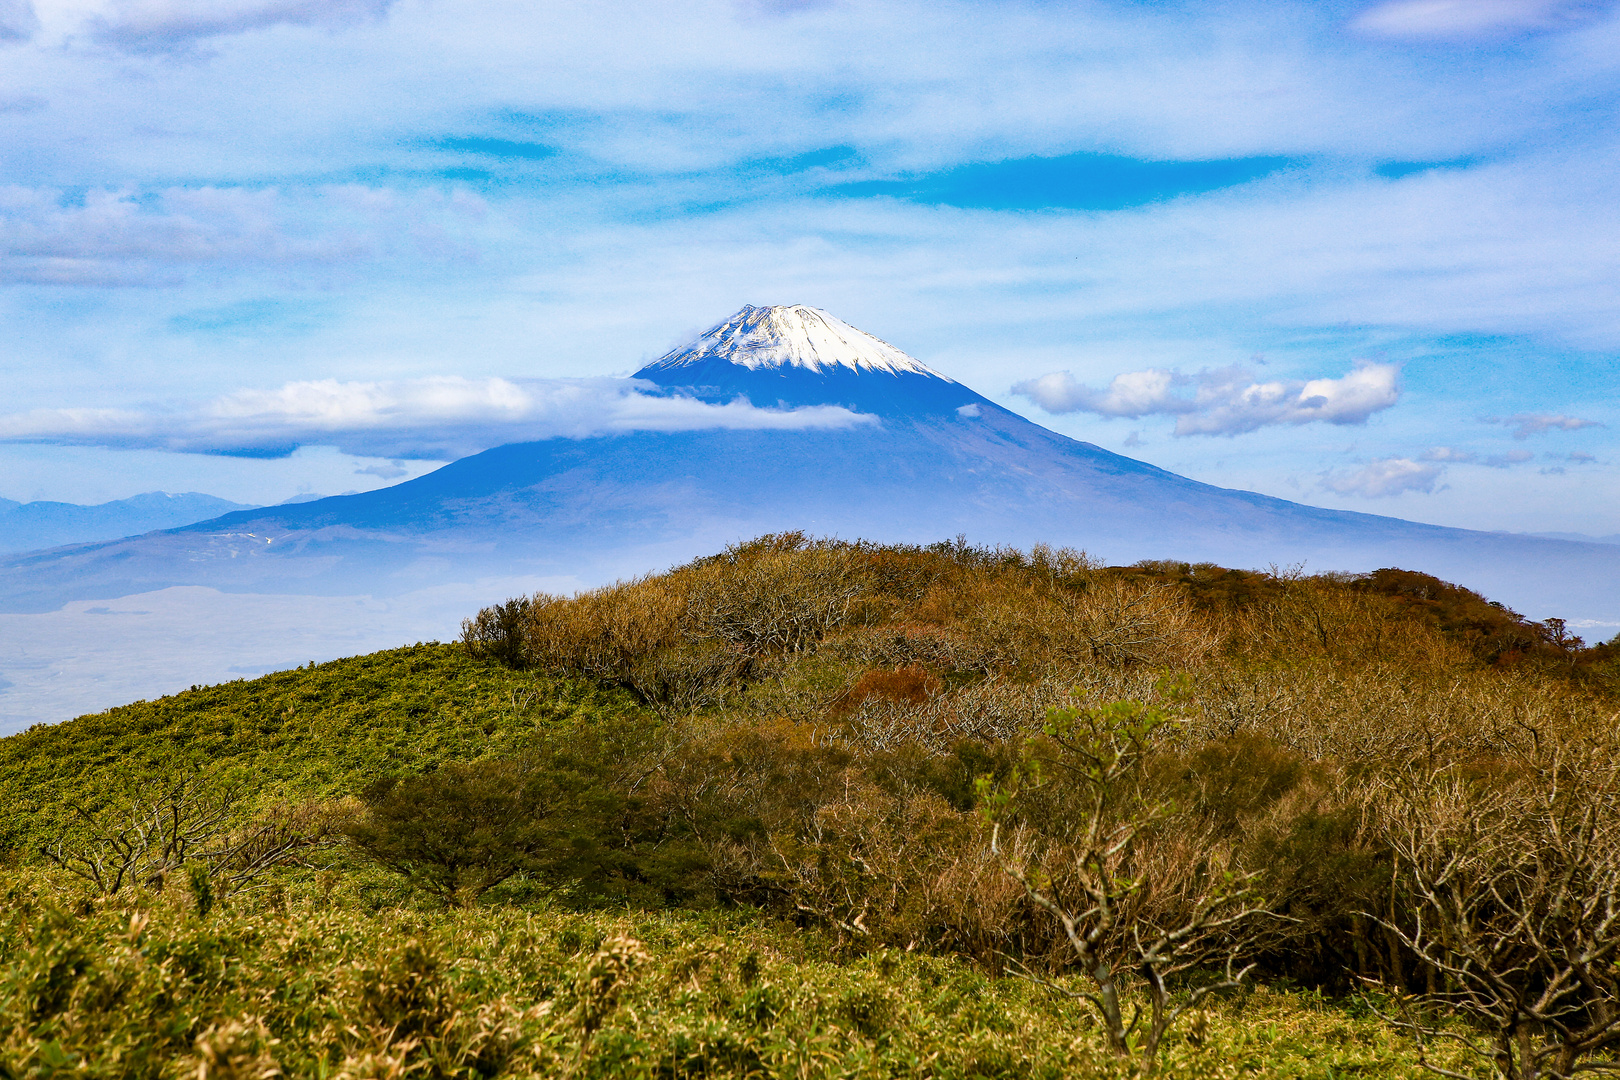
322,731
1162,786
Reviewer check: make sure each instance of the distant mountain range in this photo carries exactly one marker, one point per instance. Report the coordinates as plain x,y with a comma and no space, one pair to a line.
1612,538
28,526
930,460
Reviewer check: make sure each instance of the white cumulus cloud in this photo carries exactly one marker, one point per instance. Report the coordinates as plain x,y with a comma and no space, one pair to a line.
1134,393
1223,401
430,419
1383,478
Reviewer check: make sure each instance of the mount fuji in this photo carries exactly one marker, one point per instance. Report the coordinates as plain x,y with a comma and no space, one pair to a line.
923,458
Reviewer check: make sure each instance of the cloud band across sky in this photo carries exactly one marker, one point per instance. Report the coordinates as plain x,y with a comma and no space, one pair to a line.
1224,401
151,26
437,419
363,190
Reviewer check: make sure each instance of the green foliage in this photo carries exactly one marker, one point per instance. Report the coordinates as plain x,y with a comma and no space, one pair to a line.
323,989
567,813
202,888
497,632
318,732
456,832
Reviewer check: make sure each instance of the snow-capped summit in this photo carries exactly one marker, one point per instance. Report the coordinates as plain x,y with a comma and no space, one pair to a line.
791,356
792,336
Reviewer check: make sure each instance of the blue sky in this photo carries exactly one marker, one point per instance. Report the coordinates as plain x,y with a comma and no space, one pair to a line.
1361,255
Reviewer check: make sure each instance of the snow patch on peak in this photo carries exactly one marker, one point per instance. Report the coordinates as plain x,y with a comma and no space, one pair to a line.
793,336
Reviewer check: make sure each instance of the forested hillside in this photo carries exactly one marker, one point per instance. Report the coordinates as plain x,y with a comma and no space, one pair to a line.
825,808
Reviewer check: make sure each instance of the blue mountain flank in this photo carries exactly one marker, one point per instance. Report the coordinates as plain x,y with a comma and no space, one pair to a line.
936,460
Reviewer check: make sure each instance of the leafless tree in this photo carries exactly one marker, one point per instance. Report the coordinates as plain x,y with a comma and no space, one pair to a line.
287,834
1139,904
1514,902
188,822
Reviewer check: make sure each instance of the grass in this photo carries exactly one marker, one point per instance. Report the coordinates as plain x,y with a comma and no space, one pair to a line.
326,984
317,732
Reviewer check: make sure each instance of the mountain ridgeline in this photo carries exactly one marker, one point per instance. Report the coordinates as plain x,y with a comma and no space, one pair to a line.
33,525
936,459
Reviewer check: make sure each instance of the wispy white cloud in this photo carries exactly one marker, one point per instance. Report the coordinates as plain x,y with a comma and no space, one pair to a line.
1525,425
117,238
432,419
1459,20
1452,456
1383,478
18,21
1576,458
1224,401
912,84
170,25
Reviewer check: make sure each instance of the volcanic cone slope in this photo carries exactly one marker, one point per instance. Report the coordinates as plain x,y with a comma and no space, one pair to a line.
934,460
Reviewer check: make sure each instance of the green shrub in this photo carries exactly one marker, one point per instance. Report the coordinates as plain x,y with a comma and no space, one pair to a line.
458,831
499,632
568,814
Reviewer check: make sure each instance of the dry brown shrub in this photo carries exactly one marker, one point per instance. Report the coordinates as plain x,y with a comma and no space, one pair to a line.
786,818
1511,898
860,862
990,711
1326,617
633,634
940,606
1112,622
1004,623
1387,712
598,632
732,782
982,912
860,686
879,726
681,639
771,601
903,644
985,913
910,685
